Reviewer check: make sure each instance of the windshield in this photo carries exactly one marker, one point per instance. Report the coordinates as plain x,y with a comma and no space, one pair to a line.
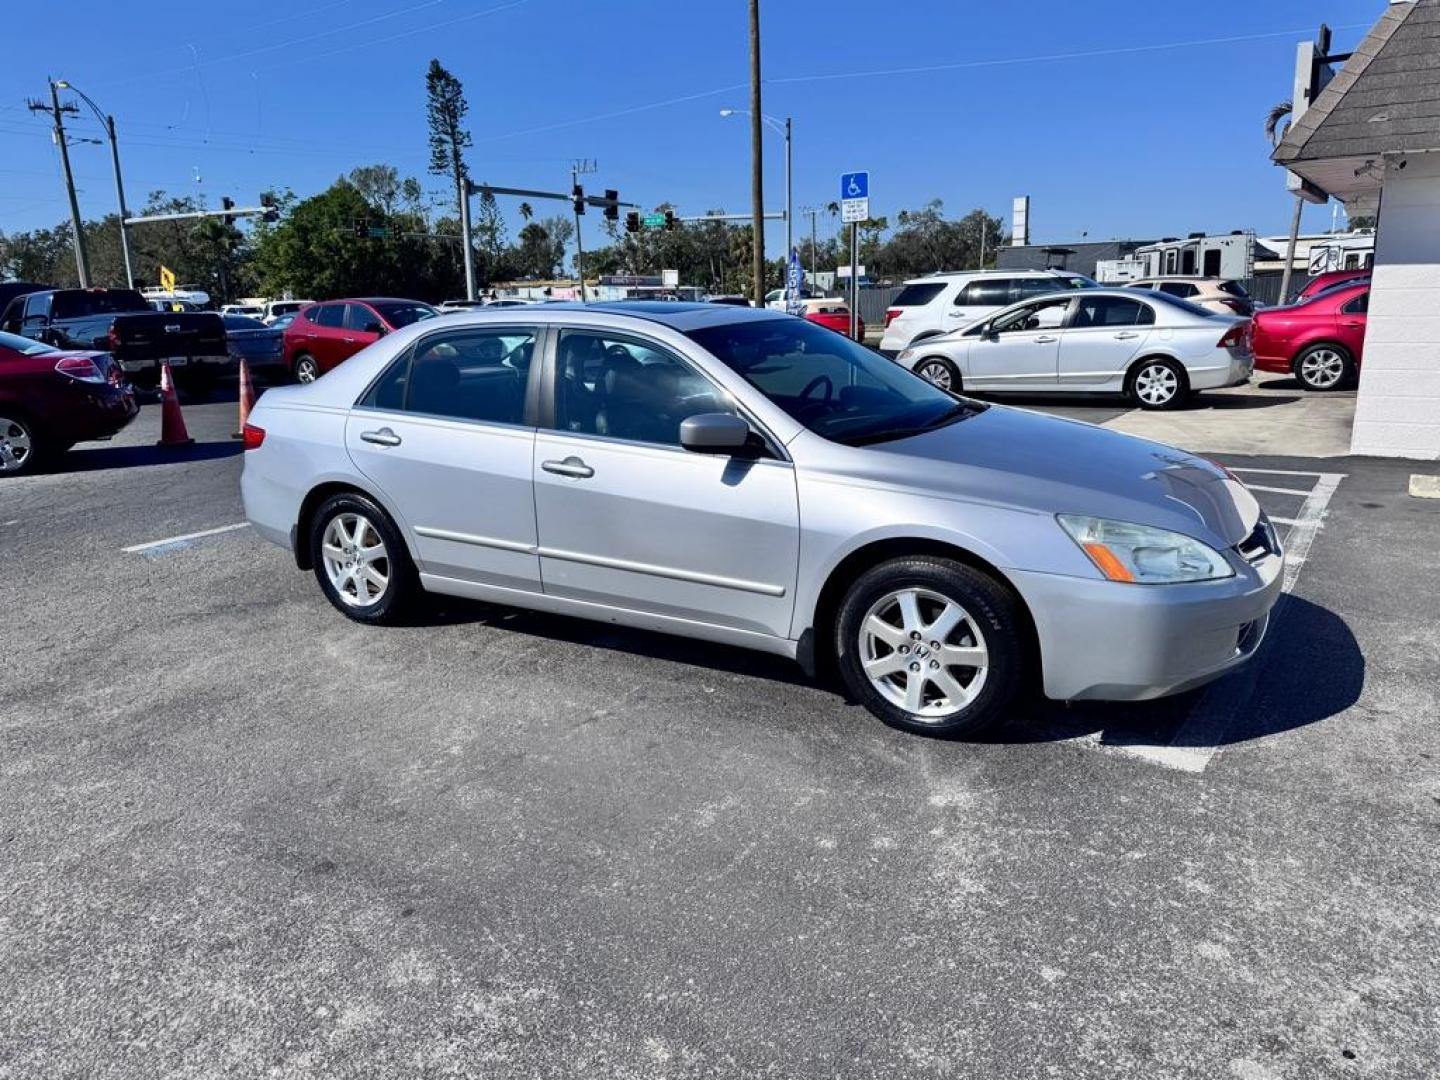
836,388
24,345
398,315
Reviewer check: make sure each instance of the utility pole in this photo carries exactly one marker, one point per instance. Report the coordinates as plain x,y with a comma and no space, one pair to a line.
58,111
813,211
464,188
109,122
579,168
789,197
757,179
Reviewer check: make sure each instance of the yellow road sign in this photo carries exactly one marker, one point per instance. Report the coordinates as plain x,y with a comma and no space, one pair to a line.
167,279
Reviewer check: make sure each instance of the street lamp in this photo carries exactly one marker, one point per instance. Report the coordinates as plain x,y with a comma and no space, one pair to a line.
783,127
109,124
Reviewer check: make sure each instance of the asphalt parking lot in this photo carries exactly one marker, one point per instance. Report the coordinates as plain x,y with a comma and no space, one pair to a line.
240,835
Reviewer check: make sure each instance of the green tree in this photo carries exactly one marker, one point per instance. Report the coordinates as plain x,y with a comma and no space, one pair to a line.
445,110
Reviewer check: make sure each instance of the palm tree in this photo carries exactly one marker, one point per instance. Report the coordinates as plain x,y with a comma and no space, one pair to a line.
1277,122
527,211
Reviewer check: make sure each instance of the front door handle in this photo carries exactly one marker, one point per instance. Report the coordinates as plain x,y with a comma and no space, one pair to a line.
1045,340
349,341
383,437
1125,335
571,466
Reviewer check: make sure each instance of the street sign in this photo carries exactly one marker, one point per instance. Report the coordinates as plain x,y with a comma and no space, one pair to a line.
167,279
670,279
854,210
653,221
855,185
377,232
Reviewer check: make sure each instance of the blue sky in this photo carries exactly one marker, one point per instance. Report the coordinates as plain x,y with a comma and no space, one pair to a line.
1129,140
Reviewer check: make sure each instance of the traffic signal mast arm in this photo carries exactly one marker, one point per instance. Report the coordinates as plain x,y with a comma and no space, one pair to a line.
591,200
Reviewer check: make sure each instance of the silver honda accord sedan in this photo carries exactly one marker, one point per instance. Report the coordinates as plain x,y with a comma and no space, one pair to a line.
747,477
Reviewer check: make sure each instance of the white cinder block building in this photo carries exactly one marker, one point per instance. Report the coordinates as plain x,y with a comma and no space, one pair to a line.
1371,138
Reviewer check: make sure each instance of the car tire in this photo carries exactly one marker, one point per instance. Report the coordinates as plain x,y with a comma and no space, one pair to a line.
1157,383
934,369
1324,367
22,447
881,645
306,368
364,585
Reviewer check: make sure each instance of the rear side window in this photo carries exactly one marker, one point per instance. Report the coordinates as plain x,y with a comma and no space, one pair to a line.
1024,288
918,295
988,292
70,304
1182,289
471,374
327,315
1359,305
1111,311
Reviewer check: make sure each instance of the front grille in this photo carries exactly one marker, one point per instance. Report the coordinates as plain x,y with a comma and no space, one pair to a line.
1261,542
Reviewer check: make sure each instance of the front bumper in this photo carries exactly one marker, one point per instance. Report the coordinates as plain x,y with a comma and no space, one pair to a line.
1101,640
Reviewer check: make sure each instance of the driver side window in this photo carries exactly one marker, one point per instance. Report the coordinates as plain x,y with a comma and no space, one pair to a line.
1047,315
625,388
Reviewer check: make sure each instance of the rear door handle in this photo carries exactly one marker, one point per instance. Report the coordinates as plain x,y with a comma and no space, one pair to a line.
349,341
1126,334
1356,324
383,437
571,466
1044,340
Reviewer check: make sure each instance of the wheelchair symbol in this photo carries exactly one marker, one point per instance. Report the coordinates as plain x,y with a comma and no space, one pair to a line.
853,190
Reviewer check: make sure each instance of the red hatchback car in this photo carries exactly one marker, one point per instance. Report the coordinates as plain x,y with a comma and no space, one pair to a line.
1329,280
325,335
1319,341
51,399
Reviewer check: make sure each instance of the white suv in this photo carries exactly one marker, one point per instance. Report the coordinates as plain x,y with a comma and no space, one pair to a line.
940,303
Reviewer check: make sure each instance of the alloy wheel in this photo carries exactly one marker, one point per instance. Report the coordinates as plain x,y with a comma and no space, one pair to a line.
306,371
937,372
1156,384
923,652
356,560
1322,368
16,445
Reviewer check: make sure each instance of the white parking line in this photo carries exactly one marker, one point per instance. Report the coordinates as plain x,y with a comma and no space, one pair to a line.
1278,490
184,538
1281,472
1198,738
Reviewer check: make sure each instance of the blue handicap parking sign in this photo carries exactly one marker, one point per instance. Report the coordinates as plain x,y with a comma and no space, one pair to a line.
855,185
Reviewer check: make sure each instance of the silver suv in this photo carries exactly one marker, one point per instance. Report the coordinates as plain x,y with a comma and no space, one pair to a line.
746,477
929,306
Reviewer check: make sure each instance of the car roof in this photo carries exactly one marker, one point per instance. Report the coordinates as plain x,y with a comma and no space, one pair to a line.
952,275
679,315
1183,277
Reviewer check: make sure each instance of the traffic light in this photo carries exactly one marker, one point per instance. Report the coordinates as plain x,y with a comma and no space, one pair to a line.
272,208
228,203
578,197
671,221
612,204
632,221
359,230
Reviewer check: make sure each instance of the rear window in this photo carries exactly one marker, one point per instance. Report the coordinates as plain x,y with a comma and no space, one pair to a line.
918,295
398,315
988,292
71,303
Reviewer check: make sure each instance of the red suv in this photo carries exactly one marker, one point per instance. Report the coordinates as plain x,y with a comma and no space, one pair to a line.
1318,341
324,335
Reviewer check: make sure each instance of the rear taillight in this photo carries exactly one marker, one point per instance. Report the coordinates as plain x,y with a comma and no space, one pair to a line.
891,314
81,369
253,436
1236,336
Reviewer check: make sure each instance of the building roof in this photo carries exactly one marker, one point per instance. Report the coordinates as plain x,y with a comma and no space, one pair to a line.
1079,257
1386,99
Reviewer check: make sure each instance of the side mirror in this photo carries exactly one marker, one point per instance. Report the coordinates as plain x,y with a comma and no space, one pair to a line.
375,328
714,433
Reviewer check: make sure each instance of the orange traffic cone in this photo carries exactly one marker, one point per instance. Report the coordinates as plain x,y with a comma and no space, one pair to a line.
172,420
247,399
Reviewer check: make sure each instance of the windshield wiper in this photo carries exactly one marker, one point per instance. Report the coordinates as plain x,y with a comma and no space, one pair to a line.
950,416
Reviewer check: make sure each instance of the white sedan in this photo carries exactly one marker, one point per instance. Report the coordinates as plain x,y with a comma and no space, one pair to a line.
1152,347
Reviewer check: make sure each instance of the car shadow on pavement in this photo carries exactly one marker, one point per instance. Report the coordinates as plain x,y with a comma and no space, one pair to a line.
90,459
1310,668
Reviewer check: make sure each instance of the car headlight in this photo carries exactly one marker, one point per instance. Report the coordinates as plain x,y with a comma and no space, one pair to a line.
1141,554
904,355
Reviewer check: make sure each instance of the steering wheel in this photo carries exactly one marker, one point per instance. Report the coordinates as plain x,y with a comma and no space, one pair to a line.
813,383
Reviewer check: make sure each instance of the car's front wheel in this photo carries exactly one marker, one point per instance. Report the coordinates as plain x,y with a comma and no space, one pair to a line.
19,444
307,370
930,645
1158,384
939,371
360,560
1324,367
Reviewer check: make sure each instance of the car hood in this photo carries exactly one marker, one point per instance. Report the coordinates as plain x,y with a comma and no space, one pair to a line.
1050,465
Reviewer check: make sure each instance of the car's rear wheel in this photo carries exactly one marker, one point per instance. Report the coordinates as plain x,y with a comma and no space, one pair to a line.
307,370
20,446
930,645
1158,384
360,560
940,371
1324,367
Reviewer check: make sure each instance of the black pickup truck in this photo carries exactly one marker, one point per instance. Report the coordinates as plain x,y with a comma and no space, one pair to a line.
122,323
